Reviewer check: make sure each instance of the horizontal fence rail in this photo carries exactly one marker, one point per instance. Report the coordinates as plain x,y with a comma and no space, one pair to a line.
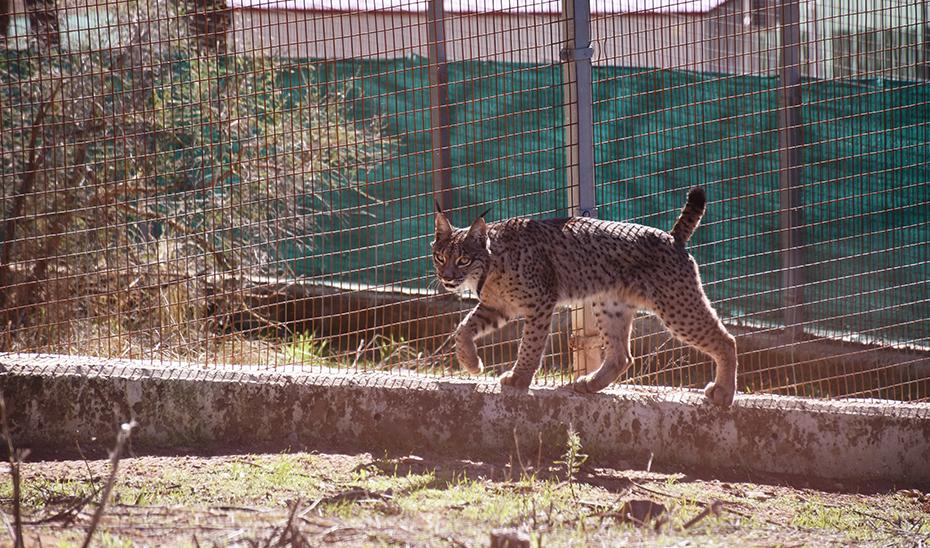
240,182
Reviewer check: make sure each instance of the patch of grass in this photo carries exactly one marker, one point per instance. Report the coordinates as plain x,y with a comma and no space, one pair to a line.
62,491
39,494
307,349
393,350
381,352
472,503
107,540
538,505
102,540
274,481
268,480
468,498
409,500
815,515
859,521
373,479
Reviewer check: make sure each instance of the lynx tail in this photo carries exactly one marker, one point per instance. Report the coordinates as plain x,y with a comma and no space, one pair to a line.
690,216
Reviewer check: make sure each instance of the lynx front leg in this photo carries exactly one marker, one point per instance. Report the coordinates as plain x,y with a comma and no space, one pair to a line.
529,355
479,322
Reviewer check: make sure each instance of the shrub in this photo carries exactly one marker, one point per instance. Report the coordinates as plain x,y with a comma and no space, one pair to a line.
135,174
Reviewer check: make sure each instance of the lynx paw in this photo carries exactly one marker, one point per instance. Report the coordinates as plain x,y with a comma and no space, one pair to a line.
514,380
587,384
469,360
474,367
719,395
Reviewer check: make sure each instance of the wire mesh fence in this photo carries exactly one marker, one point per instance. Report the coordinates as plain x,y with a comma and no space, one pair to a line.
253,182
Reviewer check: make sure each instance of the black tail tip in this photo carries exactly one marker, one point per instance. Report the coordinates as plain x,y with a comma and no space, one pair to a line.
697,197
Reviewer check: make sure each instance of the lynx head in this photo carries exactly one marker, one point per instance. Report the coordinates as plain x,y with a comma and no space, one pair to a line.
461,256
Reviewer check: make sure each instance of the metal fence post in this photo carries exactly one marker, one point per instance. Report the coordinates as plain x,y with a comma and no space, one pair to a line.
923,48
439,104
790,143
579,156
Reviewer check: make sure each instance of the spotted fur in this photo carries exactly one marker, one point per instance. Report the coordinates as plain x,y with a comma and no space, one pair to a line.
525,268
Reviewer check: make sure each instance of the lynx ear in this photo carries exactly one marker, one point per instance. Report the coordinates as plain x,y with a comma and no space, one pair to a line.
479,228
443,226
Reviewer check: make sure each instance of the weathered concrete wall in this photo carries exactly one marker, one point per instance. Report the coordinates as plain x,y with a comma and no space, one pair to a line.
55,400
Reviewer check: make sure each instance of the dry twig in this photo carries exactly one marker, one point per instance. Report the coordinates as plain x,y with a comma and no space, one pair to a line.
712,508
291,535
516,443
16,458
121,439
724,507
68,514
350,495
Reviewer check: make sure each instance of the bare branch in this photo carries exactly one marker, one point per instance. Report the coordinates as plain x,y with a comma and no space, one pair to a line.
121,439
16,458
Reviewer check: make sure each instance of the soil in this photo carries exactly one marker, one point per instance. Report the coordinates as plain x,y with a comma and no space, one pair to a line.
310,498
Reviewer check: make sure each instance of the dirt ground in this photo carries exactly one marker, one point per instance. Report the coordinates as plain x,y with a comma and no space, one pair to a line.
314,498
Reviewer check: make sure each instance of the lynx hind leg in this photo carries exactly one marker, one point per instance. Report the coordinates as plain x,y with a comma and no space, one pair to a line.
688,314
722,348
615,323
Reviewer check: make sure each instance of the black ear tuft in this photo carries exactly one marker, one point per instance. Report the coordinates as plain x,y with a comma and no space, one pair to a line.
485,212
438,209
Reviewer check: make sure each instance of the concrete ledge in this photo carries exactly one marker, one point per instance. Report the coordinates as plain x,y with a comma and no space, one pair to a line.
55,400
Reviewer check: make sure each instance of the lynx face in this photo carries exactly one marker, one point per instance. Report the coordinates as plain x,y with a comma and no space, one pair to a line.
460,256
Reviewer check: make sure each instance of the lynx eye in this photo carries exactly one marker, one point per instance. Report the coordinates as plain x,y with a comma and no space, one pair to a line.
439,258
463,261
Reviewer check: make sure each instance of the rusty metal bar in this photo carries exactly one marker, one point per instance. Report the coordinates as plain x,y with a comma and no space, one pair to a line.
439,104
579,157
790,143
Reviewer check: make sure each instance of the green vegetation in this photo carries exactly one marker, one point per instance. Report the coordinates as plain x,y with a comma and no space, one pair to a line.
226,481
360,500
861,521
382,352
573,457
307,349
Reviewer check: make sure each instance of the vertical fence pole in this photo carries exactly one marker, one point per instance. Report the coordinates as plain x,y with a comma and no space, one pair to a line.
579,156
439,104
790,142
923,48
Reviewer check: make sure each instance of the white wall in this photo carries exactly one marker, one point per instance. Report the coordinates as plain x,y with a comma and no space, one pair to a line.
632,40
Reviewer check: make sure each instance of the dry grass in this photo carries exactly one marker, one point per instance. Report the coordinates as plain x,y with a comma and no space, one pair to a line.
139,174
358,499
